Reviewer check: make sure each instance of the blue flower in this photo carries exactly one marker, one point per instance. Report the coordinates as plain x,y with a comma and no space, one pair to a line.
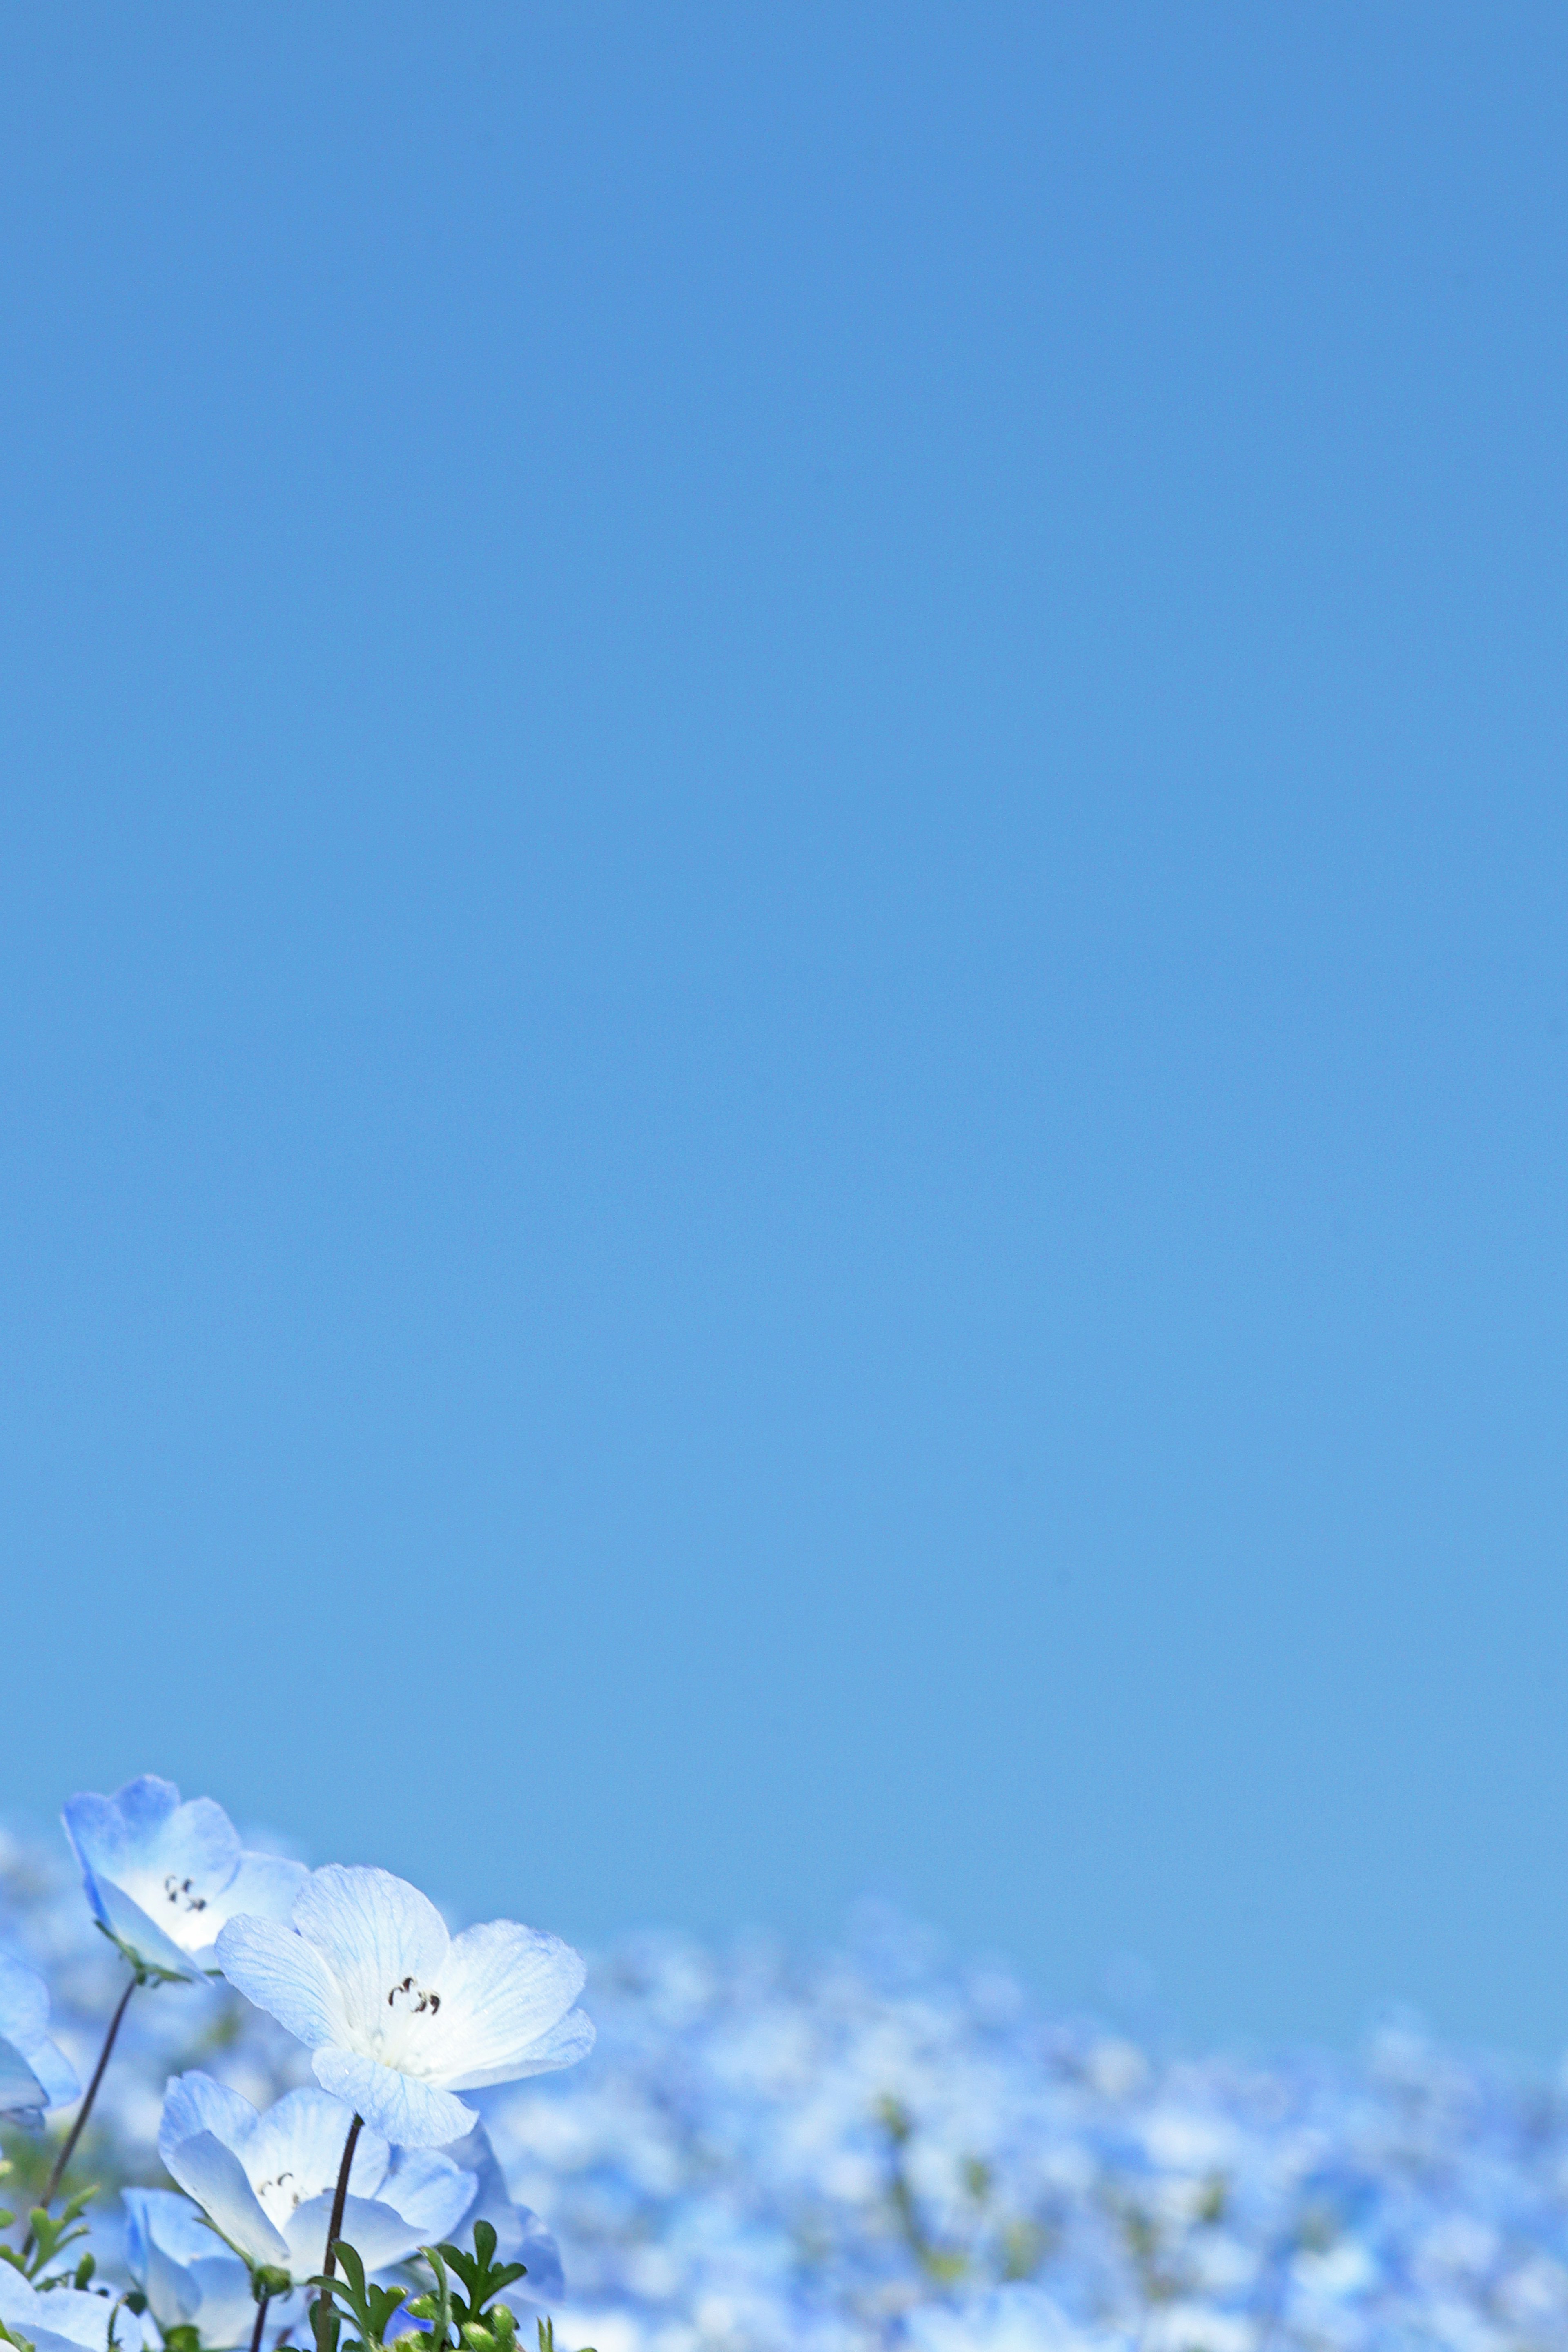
34,2074
64,2320
398,2014
266,2181
161,1877
189,2277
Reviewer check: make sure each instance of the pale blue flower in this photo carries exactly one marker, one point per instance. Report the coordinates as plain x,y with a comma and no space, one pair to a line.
398,2014
266,2181
33,2075
163,1876
188,2275
64,2320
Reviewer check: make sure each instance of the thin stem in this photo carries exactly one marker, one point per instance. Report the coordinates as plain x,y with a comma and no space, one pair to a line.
82,2113
260,2323
334,2231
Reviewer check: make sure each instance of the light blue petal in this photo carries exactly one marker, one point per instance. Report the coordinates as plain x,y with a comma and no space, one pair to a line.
83,2319
172,2295
284,1975
215,2176
24,2029
226,2311
264,1886
408,2113
544,2282
174,2222
20,2302
502,1988
194,2103
377,2234
373,1931
429,2190
21,2093
303,2137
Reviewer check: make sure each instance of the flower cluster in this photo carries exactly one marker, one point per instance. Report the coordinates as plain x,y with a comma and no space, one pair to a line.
349,2197
877,2151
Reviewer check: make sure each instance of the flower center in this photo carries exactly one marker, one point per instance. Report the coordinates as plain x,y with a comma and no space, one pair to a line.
413,1999
181,1892
277,2199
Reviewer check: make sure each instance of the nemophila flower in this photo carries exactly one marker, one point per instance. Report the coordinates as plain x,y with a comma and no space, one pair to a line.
188,2275
399,2015
34,2074
64,2320
163,1876
266,2181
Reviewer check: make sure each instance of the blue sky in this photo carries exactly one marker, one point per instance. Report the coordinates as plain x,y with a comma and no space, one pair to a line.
783,1008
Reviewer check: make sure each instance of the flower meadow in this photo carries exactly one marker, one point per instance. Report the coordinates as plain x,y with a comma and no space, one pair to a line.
316,2118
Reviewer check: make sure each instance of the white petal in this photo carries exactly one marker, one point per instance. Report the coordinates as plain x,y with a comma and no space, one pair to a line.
373,1931
215,2176
408,2113
501,1989
283,1974
567,2041
194,2103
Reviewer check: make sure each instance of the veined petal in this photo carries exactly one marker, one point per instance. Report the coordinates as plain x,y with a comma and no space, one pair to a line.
408,2113
174,2222
194,2103
502,1988
571,2037
301,2139
78,2318
283,1974
215,2176
374,1932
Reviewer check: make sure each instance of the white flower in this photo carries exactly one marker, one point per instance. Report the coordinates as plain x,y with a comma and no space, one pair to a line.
400,2015
267,2181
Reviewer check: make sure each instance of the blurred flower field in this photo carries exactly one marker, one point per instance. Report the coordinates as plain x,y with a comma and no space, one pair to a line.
879,2147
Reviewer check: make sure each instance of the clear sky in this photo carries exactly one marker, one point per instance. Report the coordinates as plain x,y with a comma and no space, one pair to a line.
783,967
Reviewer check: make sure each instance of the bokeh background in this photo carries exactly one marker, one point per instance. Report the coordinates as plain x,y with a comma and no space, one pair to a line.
784,1006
